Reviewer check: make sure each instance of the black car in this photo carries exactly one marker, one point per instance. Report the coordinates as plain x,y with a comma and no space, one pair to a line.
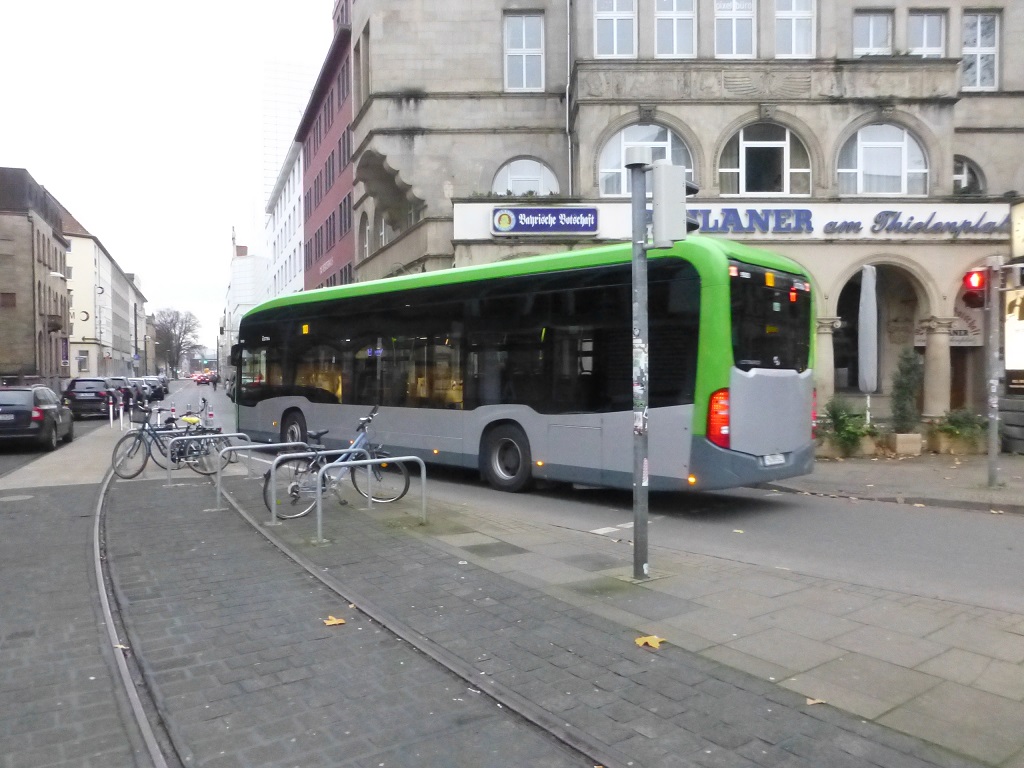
35,414
157,389
90,396
128,390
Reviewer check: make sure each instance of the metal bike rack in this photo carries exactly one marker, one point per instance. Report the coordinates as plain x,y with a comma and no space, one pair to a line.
206,436
250,447
369,485
306,455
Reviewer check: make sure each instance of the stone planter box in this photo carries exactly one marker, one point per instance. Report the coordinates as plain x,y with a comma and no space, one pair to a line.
908,444
940,442
826,450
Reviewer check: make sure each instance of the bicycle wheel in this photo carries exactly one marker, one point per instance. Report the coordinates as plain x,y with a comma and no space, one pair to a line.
295,482
204,455
130,455
390,481
158,450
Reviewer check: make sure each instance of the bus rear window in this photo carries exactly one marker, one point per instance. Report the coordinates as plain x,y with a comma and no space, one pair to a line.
771,318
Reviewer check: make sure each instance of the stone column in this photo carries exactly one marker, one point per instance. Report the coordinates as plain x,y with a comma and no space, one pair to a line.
937,367
825,361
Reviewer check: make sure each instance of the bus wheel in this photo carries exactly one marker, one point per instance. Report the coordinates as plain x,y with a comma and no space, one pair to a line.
293,428
506,459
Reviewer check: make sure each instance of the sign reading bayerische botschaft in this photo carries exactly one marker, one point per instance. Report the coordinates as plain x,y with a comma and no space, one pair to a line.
547,220
794,220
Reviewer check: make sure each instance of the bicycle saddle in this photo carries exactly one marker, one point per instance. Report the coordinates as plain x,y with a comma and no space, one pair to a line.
317,434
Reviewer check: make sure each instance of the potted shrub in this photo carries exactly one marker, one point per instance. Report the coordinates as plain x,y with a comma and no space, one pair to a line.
842,431
959,431
906,416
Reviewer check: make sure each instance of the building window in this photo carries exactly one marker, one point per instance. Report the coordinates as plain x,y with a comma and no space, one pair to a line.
524,52
524,176
967,178
614,29
765,159
614,176
364,236
8,300
882,159
83,360
794,29
926,35
734,29
675,29
981,50
872,34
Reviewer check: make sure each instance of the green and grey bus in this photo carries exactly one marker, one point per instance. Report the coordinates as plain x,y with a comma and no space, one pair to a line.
523,368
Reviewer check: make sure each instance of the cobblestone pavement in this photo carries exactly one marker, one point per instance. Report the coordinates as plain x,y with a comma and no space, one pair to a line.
453,626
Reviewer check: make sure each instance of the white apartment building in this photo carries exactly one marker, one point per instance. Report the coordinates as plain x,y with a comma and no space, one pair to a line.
283,233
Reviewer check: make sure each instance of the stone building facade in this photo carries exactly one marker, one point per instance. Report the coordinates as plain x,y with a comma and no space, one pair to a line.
33,283
843,134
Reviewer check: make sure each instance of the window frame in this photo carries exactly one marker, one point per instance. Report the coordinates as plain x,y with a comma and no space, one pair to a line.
926,49
866,145
792,18
659,149
674,17
733,17
524,53
872,49
615,15
544,174
978,51
784,144
963,169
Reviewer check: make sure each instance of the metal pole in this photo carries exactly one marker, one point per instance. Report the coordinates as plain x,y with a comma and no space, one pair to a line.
993,295
637,160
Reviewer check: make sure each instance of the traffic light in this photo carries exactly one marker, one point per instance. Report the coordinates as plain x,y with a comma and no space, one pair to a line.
669,190
975,283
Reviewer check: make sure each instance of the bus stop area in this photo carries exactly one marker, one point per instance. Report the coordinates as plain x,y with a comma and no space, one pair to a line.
399,643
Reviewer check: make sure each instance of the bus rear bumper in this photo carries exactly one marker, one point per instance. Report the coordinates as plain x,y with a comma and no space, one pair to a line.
716,468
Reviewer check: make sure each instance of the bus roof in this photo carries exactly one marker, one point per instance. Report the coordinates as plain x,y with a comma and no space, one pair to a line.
613,253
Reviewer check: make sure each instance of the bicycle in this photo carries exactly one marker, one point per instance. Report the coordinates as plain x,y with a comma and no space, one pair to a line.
133,451
295,479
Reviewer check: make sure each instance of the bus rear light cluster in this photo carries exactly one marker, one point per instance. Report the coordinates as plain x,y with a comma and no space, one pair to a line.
814,415
718,418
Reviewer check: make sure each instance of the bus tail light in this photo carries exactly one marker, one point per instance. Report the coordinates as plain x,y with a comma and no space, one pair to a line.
718,418
814,415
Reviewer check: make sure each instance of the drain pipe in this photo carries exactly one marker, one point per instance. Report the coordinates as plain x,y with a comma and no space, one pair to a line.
568,75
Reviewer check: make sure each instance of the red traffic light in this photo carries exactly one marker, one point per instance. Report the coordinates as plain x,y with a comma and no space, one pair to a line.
974,280
974,288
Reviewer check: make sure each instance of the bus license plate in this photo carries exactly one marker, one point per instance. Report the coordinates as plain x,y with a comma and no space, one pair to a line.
773,459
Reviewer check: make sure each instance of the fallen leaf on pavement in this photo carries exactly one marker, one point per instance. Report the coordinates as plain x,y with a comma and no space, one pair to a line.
652,640
737,530
815,701
330,621
996,511
919,505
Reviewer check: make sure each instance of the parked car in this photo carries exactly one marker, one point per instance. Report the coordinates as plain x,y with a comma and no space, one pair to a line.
36,414
128,390
89,396
143,386
158,390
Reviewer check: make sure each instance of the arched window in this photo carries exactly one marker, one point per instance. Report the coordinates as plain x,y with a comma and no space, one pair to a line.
967,177
614,176
524,176
765,159
882,159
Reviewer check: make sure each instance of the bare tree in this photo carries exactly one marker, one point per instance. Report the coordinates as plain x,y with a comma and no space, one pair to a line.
177,333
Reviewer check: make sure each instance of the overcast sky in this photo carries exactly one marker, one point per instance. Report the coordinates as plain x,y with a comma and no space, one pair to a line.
145,120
